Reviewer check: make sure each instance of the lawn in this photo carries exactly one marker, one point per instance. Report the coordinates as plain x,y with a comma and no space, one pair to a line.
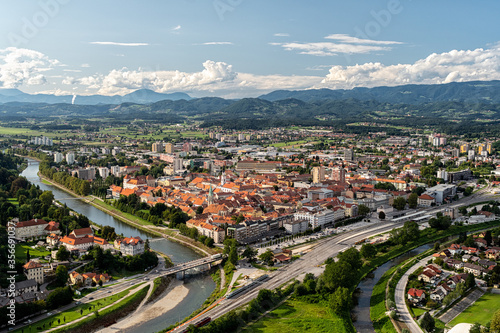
21,250
480,312
74,313
131,217
13,201
299,316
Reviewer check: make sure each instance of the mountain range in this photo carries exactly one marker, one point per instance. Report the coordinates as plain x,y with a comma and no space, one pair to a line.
141,96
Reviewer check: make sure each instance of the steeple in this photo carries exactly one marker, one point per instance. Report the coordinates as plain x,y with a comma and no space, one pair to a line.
210,197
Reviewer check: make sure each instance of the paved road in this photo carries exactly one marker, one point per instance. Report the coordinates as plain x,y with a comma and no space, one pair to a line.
400,298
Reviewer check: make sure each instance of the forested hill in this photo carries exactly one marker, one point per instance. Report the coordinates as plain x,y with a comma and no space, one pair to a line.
468,92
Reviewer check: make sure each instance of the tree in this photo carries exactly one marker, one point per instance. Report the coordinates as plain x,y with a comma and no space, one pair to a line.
495,322
61,275
399,203
381,215
440,222
413,200
46,198
233,255
487,237
339,274
267,257
59,297
62,254
476,328
363,210
340,300
368,251
352,257
28,257
470,281
249,253
427,322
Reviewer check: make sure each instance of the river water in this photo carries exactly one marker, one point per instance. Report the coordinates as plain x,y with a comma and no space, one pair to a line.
363,324
200,286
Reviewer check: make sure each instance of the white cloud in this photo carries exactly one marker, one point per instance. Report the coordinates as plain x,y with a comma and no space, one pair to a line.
217,43
72,70
329,49
176,28
119,44
354,40
345,44
281,34
85,65
124,80
22,66
452,66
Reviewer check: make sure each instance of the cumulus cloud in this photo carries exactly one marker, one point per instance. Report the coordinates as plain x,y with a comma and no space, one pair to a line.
22,66
124,80
119,44
452,66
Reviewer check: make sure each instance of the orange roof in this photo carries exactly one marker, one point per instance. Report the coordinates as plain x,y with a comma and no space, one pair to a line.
32,264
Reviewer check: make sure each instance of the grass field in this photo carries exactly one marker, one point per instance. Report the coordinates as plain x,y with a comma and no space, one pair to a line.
22,248
13,201
298,316
120,213
480,312
74,313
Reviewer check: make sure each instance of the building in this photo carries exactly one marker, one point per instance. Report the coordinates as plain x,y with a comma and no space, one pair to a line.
31,229
157,147
443,174
70,158
103,172
115,170
187,147
459,175
34,270
464,148
318,219
349,155
471,154
296,226
338,174
441,191
177,165
426,200
169,148
130,246
86,174
58,157
318,174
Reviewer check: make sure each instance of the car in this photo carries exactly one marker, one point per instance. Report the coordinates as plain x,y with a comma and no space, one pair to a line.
146,279
78,302
28,321
91,298
49,314
109,291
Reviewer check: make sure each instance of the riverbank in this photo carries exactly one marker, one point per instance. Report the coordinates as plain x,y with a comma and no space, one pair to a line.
146,226
172,296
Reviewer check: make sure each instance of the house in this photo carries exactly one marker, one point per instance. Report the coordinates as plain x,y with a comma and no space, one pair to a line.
31,229
80,244
476,270
130,246
492,254
76,278
27,286
455,249
101,277
81,233
416,295
428,276
34,270
437,295
426,200
455,264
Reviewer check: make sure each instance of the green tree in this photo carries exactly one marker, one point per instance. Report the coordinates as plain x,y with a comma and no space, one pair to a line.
62,254
352,257
368,251
340,300
363,210
399,203
267,257
61,275
339,274
46,198
28,256
413,200
476,328
495,322
470,281
233,255
249,253
427,322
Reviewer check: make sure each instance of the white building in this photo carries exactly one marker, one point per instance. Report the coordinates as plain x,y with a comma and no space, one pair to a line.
178,164
103,172
115,170
130,246
70,158
31,229
296,226
34,270
441,191
58,157
317,219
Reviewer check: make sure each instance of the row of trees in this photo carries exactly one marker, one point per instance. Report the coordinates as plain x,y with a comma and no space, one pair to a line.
79,186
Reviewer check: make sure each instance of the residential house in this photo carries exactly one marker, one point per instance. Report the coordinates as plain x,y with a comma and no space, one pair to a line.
416,295
34,270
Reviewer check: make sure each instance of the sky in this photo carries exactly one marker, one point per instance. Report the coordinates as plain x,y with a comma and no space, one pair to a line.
243,48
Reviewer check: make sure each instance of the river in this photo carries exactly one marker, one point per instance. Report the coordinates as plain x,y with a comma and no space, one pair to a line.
363,324
200,286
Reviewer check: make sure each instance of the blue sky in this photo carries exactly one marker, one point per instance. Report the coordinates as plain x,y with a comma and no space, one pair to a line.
239,48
